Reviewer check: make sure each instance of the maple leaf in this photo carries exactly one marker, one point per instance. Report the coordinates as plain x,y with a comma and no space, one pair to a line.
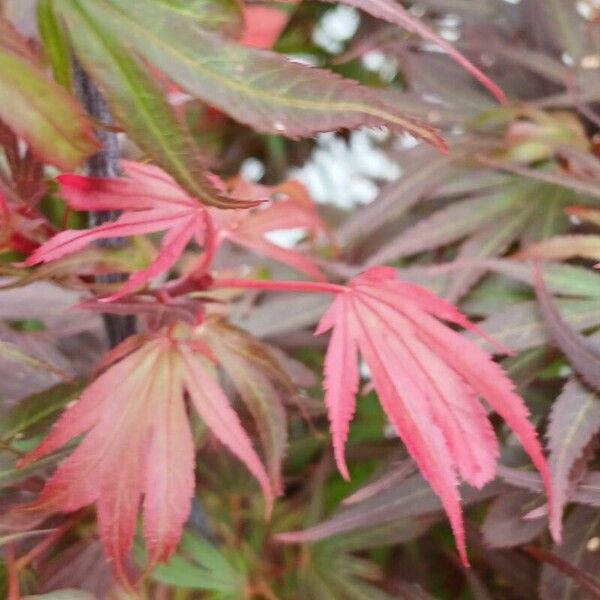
574,422
581,352
19,231
152,201
39,110
428,379
261,385
263,26
138,443
393,12
294,209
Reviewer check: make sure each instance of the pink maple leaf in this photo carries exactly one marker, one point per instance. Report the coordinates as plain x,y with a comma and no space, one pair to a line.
292,210
428,379
151,202
19,229
263,25
138,443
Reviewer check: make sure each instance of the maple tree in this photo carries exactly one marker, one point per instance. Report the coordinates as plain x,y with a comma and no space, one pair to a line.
126,131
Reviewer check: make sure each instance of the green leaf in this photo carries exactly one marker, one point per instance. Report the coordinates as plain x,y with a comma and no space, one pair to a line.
91,261
560,278
42,112
337,575
551,219
9,474
208,568
206,554
55,43
37,408
138,103
224,16
525,366
259,88
554,177
570,280
397,532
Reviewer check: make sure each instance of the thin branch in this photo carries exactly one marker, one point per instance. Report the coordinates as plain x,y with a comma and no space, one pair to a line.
104,163
315,287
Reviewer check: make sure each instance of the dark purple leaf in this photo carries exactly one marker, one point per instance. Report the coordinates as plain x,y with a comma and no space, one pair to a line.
574,421
584,357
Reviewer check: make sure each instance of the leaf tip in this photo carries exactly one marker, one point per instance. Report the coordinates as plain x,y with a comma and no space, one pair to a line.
340,461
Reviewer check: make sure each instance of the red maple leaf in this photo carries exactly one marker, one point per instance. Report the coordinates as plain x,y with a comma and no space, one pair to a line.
152,201
291,208
20,229
263,25
138,443
428,379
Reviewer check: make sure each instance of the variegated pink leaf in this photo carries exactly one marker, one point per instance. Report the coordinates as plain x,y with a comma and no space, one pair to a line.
428,378
138,444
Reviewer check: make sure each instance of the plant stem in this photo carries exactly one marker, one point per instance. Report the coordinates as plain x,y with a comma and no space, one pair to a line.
47,542
104,163
210,247
315,287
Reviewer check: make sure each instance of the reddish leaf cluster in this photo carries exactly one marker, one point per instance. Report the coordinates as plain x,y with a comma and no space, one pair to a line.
428,377
435,385
138,442
151,201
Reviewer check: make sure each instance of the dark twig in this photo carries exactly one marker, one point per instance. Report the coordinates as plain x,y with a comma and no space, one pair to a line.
104,163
